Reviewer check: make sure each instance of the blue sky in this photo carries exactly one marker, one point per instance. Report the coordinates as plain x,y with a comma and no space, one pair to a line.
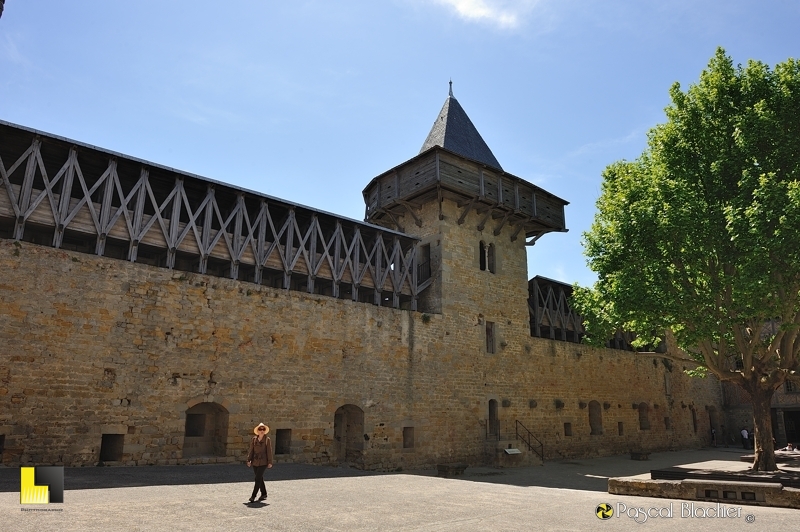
309,100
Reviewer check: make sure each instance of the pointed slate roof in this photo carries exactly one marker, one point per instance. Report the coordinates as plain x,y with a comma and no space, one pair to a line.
454,131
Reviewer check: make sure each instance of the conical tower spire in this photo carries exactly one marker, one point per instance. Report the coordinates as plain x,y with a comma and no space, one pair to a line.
454,131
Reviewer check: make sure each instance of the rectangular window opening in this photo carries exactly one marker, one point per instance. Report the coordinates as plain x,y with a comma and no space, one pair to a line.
490,337
667,423
567,429
111,447
408,437
619,428
283,441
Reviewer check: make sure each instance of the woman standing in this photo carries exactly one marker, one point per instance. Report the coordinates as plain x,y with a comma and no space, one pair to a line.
260,457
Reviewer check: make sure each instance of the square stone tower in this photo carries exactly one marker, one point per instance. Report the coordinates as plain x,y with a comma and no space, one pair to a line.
475,221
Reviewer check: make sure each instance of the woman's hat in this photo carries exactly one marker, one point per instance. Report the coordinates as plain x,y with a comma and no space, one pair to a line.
266,428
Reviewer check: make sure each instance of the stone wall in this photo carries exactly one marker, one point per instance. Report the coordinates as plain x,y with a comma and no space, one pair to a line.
96,346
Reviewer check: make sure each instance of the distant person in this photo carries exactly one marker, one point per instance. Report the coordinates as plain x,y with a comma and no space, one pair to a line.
745,438
260,457
789,447
714,437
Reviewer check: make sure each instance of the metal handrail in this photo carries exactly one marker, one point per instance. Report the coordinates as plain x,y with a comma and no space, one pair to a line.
521,435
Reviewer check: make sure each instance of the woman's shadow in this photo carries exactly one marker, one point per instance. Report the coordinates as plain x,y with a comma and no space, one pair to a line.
256,504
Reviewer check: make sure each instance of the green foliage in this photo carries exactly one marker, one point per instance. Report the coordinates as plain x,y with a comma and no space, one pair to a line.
700,234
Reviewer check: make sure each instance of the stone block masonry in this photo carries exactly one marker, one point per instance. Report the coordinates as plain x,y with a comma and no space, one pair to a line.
97,350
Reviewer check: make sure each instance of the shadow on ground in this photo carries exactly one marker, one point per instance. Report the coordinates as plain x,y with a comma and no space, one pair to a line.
79,478
585,474
591,474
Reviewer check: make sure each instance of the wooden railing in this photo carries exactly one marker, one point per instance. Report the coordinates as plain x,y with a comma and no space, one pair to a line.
57,192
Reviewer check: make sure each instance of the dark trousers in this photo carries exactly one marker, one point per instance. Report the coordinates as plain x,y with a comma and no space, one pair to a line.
259,471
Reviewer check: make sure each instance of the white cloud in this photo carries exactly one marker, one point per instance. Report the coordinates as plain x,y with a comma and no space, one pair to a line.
502,13
11,52
602,145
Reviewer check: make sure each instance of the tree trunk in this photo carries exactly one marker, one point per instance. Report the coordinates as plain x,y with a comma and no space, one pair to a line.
762,425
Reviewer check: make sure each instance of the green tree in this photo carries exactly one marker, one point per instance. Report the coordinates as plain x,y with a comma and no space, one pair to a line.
700,236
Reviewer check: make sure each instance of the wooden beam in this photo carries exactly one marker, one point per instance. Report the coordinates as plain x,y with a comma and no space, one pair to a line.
138,215
500,189
25,192
466,210
64,197
410,209
482,223
520,225
502,223
394,221
105,207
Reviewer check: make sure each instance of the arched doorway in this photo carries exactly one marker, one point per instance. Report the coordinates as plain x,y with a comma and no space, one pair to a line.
595,418
348,434
206,430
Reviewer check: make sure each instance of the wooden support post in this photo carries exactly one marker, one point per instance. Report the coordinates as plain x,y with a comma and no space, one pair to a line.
338,267
482,223
205,237
105,207
410,207
64,198
377,252
394,221
500,189
237,236
262,239
25,192
482,185
537,318
520,226
174,223
466,210
138,215
355,259
312,248
502,223
288,250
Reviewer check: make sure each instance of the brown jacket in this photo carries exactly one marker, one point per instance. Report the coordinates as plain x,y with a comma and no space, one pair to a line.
260,453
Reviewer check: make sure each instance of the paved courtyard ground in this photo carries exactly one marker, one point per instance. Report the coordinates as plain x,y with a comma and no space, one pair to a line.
557,496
